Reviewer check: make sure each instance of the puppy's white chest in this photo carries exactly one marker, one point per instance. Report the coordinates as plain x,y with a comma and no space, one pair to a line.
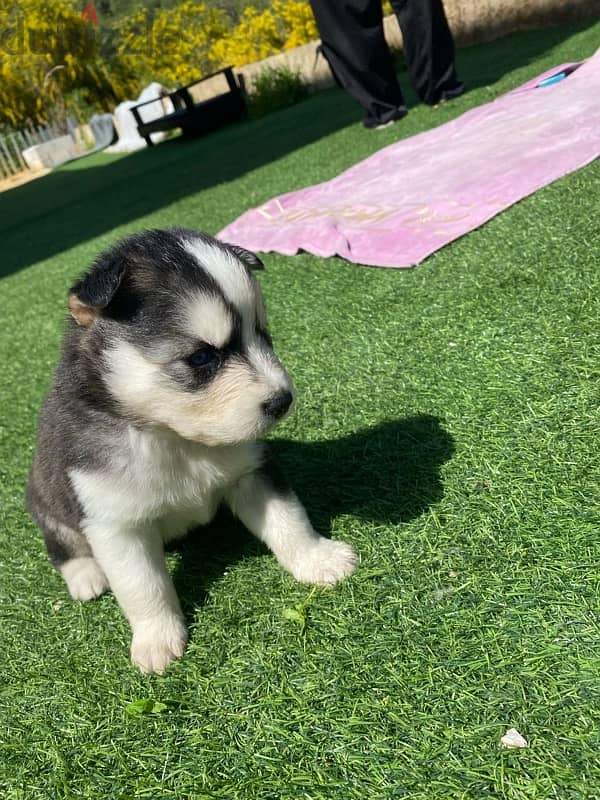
153,478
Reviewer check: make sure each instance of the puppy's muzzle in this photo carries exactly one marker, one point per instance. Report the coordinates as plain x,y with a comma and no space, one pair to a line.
277,405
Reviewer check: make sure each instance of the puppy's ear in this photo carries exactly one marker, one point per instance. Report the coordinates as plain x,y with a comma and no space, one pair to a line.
95,290
251,260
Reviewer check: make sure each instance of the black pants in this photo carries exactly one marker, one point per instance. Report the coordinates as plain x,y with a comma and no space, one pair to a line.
354,45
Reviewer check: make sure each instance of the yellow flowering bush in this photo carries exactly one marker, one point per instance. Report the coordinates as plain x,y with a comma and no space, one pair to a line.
64,55
299,22
43,52
285,24
174,47
255,37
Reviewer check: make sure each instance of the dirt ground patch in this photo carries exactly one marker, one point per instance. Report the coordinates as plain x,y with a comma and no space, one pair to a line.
20,178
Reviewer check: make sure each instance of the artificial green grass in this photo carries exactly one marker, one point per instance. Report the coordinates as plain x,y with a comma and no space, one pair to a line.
447,427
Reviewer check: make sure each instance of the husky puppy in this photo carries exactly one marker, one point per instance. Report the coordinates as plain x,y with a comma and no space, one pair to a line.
166,382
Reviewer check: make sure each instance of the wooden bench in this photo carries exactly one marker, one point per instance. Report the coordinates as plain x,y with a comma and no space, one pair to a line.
196,117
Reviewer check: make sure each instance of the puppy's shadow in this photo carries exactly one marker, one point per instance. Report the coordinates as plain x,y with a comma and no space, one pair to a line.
388,474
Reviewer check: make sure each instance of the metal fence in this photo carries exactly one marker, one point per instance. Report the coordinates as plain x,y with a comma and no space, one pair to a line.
13,143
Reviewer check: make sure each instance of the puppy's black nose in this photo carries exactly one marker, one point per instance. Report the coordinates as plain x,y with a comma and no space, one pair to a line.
278,405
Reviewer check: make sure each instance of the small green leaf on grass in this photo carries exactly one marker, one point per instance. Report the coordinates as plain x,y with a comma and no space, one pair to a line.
295,615
147,706
298,613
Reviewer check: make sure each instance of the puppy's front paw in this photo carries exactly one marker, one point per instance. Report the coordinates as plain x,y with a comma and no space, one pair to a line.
84,578
158,642
325,563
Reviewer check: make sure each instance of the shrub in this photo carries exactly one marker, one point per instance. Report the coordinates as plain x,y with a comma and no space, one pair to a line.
273,88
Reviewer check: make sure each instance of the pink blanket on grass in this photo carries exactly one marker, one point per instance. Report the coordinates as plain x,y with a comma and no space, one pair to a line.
413,197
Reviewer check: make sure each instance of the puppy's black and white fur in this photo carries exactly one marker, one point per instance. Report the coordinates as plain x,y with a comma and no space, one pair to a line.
167,381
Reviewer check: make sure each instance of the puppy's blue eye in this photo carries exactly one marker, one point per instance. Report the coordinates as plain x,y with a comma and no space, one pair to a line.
203,357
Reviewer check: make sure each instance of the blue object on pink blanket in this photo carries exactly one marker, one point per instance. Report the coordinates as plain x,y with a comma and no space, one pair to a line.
552,79
558,76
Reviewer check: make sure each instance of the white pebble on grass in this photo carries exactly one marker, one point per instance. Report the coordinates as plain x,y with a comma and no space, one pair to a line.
512,740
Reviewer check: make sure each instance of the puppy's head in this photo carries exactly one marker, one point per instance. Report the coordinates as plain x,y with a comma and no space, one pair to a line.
172,325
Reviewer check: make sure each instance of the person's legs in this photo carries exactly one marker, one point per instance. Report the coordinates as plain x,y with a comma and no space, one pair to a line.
354,45
428,49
